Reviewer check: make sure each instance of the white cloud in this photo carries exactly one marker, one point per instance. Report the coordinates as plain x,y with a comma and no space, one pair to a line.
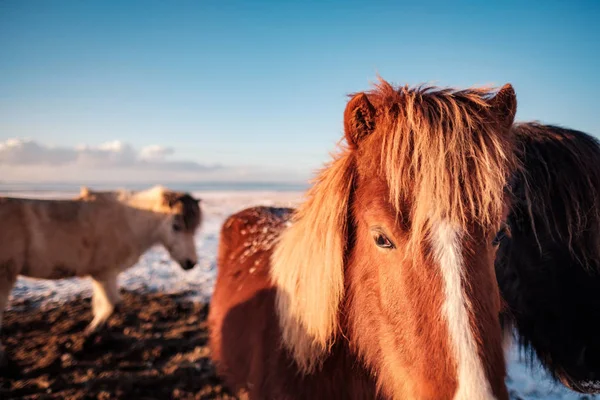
111,154
26,152
156,152
31,161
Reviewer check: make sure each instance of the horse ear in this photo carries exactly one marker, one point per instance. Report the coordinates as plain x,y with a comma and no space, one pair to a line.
504,104
359,119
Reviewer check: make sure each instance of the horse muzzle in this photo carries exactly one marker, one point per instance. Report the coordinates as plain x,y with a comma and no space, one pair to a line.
187,264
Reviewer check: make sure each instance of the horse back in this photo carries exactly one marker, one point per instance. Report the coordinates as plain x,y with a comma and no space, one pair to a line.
13,239
245,337
247,240
242,306
55,239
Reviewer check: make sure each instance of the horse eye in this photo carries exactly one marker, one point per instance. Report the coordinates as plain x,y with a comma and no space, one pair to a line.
382,241
176,227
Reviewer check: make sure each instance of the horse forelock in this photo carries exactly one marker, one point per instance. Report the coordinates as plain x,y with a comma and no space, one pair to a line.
190,211
185,205
443,151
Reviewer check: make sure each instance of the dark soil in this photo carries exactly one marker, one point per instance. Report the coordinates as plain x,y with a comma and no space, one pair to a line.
154,347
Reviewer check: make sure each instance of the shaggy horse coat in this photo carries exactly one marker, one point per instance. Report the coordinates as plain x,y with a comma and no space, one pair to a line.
548,261
99,234
381,285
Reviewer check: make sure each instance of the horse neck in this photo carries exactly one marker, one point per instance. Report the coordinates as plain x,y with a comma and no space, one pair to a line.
145,200
145,218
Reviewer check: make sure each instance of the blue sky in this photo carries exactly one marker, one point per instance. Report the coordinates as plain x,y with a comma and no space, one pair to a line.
263,84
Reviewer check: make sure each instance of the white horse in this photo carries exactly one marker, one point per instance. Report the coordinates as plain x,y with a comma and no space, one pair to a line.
98,234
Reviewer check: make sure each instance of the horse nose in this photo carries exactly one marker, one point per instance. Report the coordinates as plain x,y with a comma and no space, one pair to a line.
188,264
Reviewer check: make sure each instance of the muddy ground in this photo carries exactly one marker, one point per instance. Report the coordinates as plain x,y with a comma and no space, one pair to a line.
154,347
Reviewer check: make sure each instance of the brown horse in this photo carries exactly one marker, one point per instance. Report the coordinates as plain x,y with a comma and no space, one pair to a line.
381,285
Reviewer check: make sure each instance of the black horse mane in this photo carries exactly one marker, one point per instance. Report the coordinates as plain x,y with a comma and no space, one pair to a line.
548,266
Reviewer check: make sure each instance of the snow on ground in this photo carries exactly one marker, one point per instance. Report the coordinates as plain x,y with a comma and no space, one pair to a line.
156,272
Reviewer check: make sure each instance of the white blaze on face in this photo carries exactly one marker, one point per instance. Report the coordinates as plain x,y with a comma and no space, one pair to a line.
472,381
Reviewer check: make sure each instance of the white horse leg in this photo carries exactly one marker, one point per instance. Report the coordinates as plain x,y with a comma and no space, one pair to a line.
105,297
6,285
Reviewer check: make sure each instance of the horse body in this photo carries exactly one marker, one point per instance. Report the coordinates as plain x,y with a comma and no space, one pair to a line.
65,238
382,284
99,234
245,332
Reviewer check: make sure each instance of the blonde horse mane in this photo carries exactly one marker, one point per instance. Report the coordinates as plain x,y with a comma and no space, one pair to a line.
307,265
442,150
156,198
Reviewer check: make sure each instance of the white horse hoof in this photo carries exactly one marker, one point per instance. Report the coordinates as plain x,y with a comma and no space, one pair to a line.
94,328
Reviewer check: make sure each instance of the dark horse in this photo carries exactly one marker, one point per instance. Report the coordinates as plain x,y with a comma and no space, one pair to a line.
548,261
382,283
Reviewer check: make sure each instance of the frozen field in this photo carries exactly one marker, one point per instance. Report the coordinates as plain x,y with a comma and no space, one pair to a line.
155,271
